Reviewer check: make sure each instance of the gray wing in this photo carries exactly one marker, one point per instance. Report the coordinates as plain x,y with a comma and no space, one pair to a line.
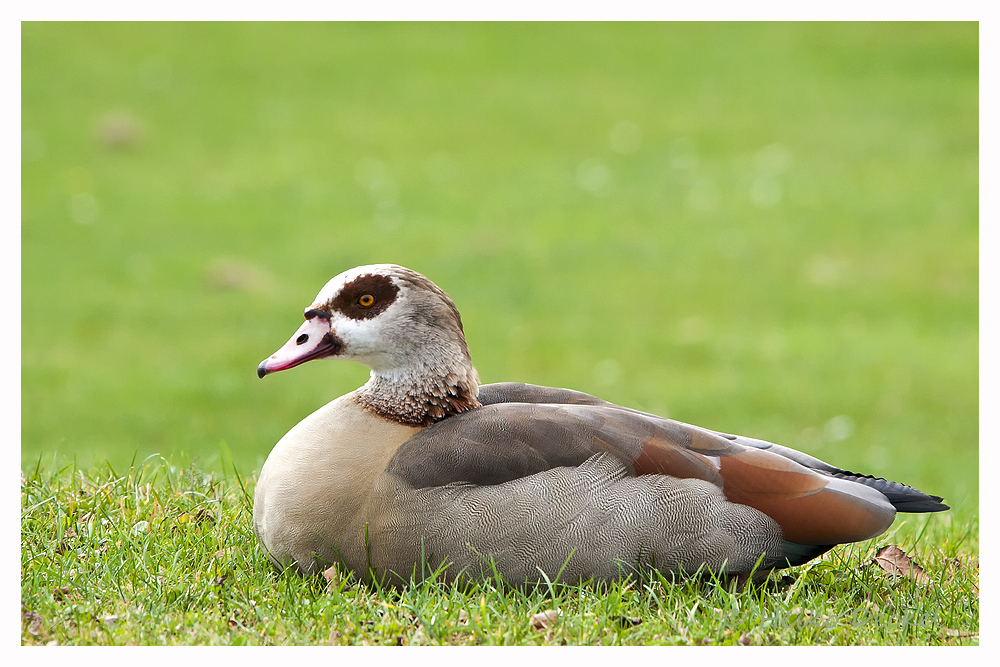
537,474
501,442
593,520
902,497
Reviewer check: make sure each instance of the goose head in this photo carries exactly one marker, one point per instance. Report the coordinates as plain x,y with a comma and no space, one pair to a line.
401,326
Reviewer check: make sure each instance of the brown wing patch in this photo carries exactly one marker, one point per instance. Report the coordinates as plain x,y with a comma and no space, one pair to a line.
662,457
798,499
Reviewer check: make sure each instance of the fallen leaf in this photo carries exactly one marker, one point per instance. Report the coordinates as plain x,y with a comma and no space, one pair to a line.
894,560
463,617
332,576
744,639
335,636
544,619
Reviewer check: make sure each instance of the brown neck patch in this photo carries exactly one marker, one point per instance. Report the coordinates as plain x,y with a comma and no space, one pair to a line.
418,406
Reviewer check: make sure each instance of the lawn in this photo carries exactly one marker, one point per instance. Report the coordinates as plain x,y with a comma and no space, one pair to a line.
766,229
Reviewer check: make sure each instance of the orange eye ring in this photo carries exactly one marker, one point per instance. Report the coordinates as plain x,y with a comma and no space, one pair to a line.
366,301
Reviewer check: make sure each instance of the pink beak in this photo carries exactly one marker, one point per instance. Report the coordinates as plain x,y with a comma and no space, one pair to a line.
313,340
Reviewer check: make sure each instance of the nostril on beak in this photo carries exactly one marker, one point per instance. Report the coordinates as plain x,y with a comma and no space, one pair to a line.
302,339
314,312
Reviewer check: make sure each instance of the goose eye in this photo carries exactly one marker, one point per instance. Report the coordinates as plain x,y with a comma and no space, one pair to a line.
366,301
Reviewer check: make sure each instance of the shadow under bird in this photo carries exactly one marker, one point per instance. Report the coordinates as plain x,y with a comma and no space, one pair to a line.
424,466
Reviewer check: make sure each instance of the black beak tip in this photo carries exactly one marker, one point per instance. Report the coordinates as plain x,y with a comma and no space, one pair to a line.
261,371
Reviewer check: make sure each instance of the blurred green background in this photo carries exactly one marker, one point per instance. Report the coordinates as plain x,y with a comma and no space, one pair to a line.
768,229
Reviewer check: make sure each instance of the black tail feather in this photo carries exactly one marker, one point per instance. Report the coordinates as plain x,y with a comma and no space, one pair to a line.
904,498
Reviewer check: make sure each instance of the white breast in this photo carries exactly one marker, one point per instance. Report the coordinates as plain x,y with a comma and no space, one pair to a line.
316,480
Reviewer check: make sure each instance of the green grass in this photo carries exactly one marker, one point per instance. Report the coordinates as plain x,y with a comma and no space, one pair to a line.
163,555
789,251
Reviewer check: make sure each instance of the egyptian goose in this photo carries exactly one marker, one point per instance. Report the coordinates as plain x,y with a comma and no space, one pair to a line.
423,466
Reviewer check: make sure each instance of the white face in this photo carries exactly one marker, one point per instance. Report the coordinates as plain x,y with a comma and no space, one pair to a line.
354,316
367,340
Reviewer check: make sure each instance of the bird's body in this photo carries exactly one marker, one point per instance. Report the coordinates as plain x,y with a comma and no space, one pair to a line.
422,467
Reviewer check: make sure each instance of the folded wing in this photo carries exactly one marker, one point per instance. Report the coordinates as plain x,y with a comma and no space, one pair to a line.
523,430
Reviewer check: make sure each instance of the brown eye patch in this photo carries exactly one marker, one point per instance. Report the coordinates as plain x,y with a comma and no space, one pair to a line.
365,297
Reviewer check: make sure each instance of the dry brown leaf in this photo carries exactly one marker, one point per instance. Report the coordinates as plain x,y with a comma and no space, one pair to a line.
332,576
894,560
544,619
744,639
